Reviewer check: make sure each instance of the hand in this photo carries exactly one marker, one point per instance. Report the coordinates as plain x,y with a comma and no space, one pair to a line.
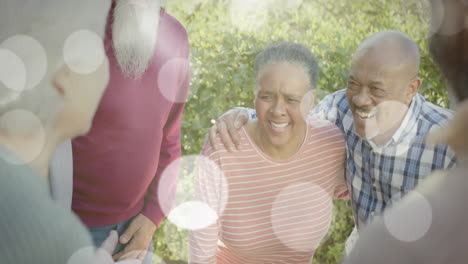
227,126
103,254
138,235
454,134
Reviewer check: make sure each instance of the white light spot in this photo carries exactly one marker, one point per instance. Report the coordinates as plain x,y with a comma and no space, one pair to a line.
385,117
193,215
410,219
201,192
248,15
302,212
33,55
171,79
22,124
87,255
12,74
83,51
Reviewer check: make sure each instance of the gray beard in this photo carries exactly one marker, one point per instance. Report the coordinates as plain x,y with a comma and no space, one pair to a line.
135,32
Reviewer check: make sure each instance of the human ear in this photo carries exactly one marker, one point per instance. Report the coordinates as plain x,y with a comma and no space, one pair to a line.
307,103
413,88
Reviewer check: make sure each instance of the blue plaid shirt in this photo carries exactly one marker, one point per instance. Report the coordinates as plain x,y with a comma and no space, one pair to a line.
375,175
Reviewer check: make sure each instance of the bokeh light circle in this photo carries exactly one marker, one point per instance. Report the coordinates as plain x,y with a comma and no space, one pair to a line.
25,124
12,74
410,220
172,77
302,212
34,57
201,194
83,51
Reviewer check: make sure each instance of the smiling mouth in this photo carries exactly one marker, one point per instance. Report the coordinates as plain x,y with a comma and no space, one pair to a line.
365,114
278,128
278,125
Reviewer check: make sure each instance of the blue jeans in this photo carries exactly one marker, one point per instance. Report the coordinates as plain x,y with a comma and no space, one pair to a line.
100,233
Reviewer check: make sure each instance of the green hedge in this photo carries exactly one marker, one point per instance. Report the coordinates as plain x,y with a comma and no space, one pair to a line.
222,55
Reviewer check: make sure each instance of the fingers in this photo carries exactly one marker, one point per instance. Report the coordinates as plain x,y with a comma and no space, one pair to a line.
227,127
225,136
132,251
110,243
130,231
103,254
240,119
138,235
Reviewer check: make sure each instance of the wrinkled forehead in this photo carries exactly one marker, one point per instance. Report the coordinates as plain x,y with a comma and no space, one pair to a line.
51,22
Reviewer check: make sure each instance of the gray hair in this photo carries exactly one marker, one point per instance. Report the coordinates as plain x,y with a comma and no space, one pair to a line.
49,23
292,53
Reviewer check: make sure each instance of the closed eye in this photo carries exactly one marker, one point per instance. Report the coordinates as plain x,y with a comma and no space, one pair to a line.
265,97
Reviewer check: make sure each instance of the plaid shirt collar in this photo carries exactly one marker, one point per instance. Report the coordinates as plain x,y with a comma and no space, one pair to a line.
408,128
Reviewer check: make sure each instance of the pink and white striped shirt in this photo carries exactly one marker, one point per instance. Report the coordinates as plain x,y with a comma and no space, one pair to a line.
275,211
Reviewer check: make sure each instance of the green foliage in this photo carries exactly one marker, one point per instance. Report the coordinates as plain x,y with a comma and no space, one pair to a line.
224,46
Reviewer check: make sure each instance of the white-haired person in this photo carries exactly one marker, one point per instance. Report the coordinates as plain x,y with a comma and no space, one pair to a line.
53,71
136,133
274,197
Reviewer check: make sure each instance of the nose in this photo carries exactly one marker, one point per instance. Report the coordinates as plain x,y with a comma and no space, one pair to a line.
278,108
362,99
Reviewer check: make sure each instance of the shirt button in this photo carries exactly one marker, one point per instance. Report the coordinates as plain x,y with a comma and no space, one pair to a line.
372,213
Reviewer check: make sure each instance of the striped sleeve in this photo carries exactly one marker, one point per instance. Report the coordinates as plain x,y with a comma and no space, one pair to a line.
341,189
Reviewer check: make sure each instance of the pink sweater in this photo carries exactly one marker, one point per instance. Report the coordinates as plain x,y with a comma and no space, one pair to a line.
276,211
134,136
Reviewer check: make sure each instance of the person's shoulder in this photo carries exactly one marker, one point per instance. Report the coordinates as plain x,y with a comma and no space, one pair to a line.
334,101
336,96
432,114
175,27
29,215
326,129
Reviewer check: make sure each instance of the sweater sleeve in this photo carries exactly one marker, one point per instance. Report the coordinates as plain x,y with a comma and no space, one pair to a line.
170,147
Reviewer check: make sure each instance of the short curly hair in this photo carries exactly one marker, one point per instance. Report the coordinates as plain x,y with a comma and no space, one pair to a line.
292,53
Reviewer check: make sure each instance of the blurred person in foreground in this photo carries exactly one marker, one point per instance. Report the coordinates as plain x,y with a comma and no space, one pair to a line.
135,134
445,236
53,72
274,198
